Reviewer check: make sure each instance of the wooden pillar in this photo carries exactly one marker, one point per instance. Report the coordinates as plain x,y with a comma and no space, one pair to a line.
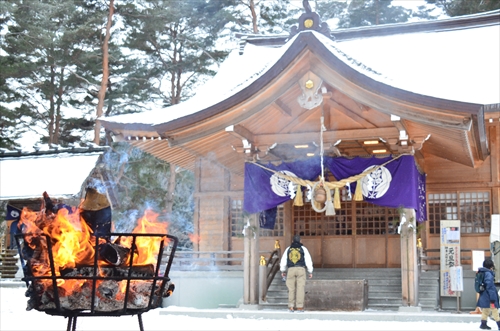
251,261
494,130
409,263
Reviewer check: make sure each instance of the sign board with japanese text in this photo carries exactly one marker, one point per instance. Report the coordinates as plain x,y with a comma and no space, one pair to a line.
450,254
457,279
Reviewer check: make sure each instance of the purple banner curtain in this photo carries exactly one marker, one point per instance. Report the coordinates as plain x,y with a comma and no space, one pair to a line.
397,184
265,190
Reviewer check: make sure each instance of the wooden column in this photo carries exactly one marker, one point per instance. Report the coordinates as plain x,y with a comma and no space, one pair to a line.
494,131
251,261
409,263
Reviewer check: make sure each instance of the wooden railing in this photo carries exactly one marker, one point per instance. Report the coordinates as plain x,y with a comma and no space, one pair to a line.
208,261
273,266
429,259
268,270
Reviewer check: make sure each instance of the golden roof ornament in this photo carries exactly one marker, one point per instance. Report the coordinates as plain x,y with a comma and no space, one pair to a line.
311,97
310,21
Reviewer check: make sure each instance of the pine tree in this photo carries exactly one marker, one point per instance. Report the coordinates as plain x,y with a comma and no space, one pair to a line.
174,43
50,51
465,7
372,12
142,181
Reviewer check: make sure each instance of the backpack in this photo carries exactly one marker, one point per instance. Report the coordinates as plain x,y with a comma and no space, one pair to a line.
479,282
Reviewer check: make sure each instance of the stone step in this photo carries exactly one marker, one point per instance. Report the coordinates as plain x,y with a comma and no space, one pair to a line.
384,287
428,289
385,306
8,262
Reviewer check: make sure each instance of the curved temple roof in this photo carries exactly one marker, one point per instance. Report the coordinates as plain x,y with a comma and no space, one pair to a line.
437,77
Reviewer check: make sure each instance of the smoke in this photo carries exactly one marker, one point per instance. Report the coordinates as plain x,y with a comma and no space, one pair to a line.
97,185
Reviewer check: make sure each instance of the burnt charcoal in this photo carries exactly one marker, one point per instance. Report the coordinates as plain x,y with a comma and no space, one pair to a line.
143,271
108,289
169,290
49,205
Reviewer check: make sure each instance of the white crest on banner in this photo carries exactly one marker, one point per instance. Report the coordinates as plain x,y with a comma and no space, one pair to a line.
283,187
14,213
376,184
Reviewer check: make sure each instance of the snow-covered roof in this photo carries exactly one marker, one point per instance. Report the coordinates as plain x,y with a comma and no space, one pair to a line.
457,64
234,74
61,175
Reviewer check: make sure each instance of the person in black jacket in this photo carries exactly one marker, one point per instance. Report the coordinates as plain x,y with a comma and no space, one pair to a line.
294,263
488,299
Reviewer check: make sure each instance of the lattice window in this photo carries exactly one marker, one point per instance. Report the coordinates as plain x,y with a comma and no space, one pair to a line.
370,219
238,222
236,215
375,220
472,208
307,222
341,223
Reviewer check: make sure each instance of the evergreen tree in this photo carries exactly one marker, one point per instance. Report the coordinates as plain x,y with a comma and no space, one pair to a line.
174,43
50,52
142,181
328,10
264,17
372,12
9,133
465,7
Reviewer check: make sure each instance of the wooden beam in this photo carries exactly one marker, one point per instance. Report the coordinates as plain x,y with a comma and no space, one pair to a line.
351,114
283,108
302,137
240,132
299,119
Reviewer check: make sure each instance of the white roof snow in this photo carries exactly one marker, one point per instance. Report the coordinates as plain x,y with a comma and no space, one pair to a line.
461,65
60,175
235,73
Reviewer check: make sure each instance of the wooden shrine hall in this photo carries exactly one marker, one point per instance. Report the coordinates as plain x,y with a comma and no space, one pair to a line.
400,123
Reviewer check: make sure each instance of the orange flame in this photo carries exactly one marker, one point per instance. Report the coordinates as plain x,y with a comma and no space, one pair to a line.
195,239
146,247
74,245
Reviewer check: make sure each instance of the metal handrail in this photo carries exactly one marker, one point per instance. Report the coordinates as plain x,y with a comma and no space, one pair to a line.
274,262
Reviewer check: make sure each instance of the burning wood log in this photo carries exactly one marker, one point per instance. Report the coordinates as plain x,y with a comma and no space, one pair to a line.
114,254
60,250
110,296
142,271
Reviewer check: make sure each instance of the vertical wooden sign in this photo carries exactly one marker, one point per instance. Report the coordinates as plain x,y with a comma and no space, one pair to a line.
450,254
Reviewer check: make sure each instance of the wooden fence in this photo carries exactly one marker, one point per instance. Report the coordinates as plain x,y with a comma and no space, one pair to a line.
429,259
208,261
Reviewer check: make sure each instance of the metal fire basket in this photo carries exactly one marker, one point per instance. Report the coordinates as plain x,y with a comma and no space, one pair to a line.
158,278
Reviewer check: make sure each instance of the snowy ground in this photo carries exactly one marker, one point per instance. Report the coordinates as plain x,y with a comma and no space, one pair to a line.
15,317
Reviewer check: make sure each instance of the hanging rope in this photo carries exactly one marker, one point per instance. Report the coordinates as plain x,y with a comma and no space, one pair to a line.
329,206
330,185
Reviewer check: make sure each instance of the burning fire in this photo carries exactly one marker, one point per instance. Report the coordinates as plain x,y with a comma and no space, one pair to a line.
74,248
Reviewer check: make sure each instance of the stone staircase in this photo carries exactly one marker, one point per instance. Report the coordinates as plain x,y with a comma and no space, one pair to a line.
384,288
428,290
8,263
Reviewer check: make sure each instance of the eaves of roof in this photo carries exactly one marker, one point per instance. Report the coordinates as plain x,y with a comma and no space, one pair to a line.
310,41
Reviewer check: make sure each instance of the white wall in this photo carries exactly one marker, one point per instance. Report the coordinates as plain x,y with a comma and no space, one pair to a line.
205,289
